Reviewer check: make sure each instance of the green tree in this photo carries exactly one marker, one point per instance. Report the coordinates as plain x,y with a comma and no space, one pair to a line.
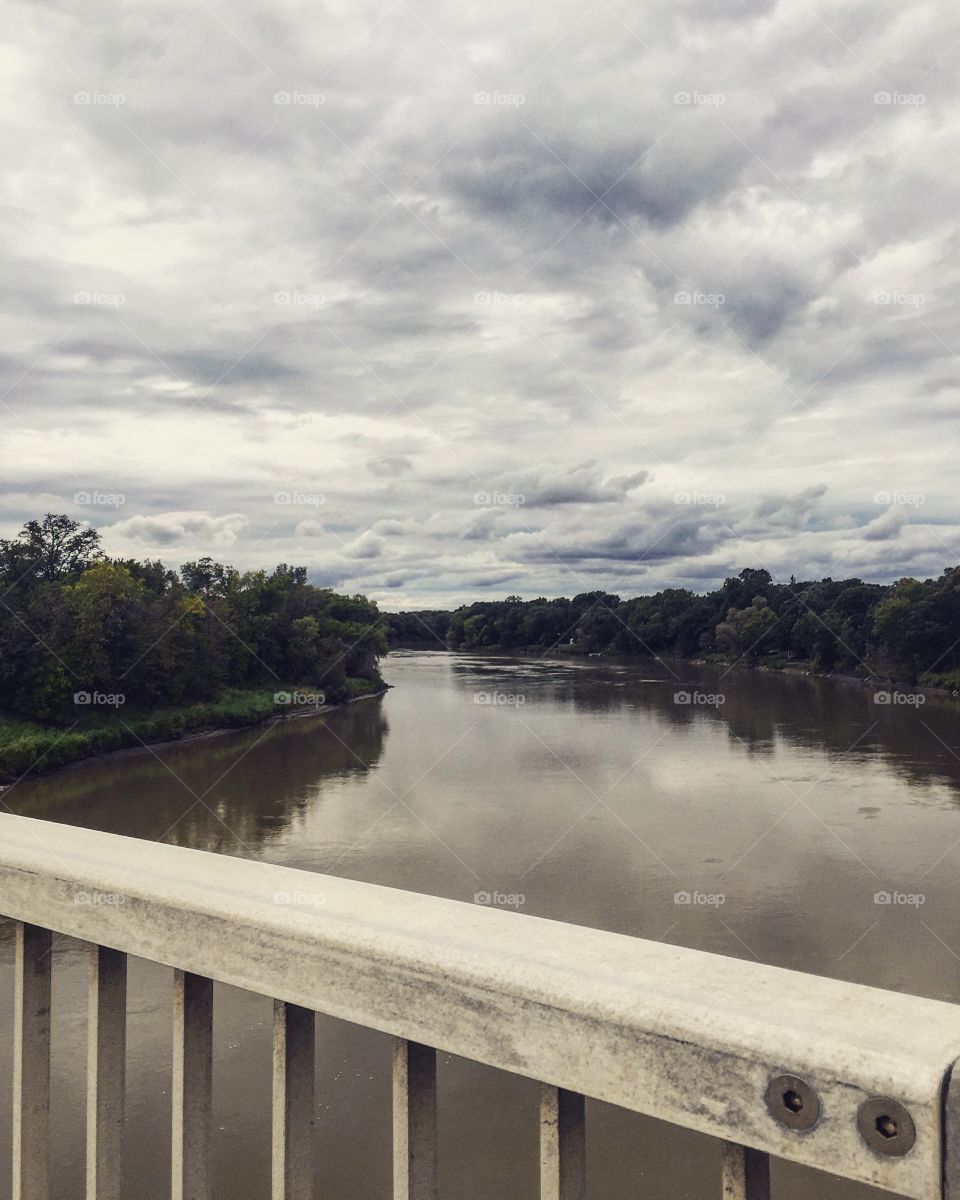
50,549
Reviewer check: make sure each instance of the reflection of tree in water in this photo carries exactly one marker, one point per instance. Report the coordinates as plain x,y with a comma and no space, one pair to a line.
835,716
252,786
918,744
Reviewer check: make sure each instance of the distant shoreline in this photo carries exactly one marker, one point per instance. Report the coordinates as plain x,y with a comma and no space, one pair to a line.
797,667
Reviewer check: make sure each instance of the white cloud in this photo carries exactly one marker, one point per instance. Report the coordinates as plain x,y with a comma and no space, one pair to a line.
179,528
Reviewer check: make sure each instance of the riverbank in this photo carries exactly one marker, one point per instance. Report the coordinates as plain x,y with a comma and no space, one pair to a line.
28,748
874,679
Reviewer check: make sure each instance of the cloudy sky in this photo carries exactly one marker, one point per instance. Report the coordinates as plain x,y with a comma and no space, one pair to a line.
454,300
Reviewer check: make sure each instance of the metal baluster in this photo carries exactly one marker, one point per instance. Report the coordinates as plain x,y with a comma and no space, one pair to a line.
192,1086
745,1172
106,1072
294,1053
414,1122
31,1064
563,1165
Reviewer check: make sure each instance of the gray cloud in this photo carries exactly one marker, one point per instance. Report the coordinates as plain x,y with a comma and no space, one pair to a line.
175,528
886,527
390,466
448,265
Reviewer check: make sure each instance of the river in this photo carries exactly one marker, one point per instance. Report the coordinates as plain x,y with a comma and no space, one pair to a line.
787,819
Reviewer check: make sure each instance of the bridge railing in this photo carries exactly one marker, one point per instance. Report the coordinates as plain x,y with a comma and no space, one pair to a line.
844,1078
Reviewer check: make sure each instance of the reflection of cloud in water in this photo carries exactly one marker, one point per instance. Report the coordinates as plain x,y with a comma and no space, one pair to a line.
232,793
760,709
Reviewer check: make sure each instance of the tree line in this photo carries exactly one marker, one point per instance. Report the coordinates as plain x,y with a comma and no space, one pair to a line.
74,622
909,630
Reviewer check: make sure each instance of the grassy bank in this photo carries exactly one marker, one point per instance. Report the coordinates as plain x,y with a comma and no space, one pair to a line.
27,747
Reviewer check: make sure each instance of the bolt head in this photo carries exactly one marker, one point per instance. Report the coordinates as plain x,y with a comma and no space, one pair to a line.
793,1103
886,1126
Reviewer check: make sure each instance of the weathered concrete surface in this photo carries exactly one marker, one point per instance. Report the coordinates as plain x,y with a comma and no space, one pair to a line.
688,1037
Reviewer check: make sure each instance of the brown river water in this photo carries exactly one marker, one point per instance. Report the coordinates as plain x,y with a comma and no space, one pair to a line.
575,789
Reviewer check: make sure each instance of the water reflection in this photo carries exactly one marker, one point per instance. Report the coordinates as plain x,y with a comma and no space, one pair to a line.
234,793
759,708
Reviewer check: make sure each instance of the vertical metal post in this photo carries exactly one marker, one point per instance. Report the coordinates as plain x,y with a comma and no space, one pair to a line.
951,1133
414,1121
563,1145
294,1052
31,1064
192,1086
106,1072
745,1172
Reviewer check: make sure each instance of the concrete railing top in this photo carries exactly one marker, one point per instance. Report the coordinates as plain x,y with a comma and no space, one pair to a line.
714,1044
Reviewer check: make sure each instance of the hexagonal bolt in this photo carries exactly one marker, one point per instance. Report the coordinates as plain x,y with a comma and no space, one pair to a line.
793,1103
886,1126
793,1100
